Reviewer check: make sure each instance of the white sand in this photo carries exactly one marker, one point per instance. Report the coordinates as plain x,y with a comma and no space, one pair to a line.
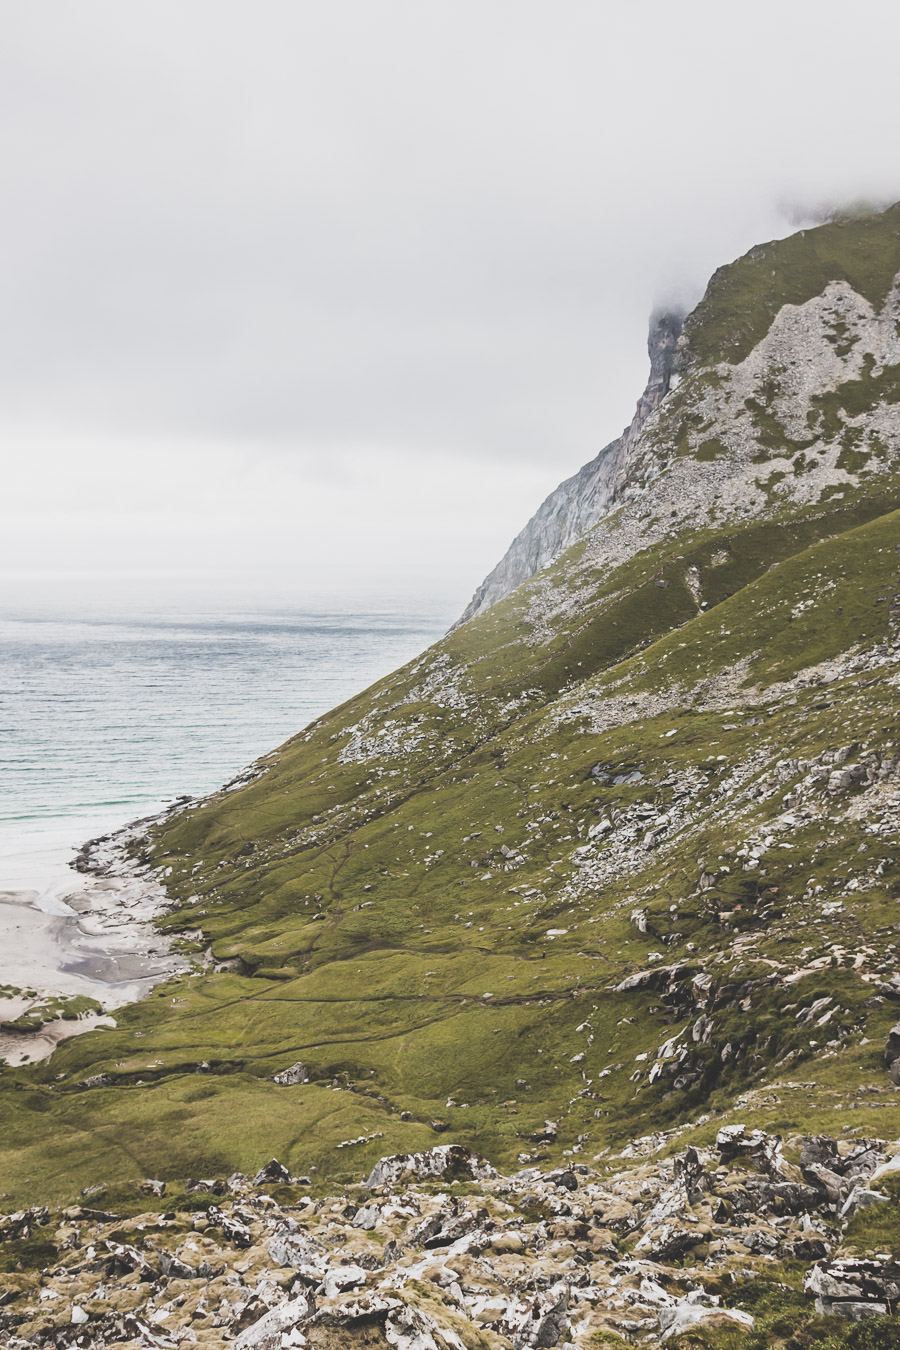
83,935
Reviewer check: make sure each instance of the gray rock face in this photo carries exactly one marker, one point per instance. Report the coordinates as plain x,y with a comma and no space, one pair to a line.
580,501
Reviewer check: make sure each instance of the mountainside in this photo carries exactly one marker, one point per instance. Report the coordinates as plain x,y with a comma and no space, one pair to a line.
616,857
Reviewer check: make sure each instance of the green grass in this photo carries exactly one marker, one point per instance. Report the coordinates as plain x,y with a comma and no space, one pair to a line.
743,298
784,1320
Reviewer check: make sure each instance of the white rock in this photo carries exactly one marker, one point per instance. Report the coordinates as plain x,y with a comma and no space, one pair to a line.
689,1312
267,1333
340,1278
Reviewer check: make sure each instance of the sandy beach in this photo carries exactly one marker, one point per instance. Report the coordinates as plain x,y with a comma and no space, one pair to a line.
88,935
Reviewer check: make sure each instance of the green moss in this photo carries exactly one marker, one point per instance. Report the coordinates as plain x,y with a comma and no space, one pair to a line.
710,450
32,1253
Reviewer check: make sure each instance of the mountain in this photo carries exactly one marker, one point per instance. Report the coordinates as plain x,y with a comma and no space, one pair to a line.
617,857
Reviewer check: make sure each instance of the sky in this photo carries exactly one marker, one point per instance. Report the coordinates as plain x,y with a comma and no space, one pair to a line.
332,295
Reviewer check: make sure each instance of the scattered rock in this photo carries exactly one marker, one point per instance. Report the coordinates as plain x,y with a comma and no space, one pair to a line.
537,1260
291,1076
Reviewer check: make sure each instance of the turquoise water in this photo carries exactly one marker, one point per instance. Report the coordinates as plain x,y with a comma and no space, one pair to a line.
110,708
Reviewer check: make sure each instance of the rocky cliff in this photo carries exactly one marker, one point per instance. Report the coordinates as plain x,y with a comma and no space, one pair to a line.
618,858
580,501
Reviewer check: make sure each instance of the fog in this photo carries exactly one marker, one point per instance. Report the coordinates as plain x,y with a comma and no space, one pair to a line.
335,293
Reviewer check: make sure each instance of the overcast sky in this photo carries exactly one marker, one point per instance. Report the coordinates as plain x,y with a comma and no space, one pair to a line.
343,288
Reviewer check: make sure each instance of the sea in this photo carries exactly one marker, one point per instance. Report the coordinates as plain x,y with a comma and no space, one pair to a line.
115,698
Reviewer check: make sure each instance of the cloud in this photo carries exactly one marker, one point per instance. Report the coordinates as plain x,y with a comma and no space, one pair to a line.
367,519
385,233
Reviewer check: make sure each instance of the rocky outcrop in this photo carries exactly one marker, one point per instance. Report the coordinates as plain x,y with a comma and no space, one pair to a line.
447,1162
580,501
855,1289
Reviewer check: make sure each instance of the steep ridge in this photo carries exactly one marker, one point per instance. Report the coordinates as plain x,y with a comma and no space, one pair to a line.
580,501
618,856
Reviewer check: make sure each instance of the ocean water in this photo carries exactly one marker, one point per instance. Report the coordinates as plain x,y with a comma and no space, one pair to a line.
112,704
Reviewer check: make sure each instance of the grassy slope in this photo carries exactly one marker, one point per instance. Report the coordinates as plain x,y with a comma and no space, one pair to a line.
743,298
378,932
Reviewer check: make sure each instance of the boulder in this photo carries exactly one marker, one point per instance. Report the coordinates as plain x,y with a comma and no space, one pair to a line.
340,1278
175,1269
273,1171
291,1245
267,1333
670,1242
820,1150
236,1232
449,1162
683,1313
759,1148
789,1197
854,1288
832,1186
565,1178
862,1198
892,1045
655,978
890,1168
891,987
690,1170
292,1075
538,1322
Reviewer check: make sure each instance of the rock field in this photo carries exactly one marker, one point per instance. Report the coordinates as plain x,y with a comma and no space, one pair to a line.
437,1251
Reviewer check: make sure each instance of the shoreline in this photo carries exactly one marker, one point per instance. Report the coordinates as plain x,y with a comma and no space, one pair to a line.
81,948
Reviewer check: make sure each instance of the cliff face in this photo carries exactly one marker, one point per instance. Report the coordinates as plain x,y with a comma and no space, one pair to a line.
580,501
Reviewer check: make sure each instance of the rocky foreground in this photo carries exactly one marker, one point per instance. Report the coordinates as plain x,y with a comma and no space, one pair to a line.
437,1251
